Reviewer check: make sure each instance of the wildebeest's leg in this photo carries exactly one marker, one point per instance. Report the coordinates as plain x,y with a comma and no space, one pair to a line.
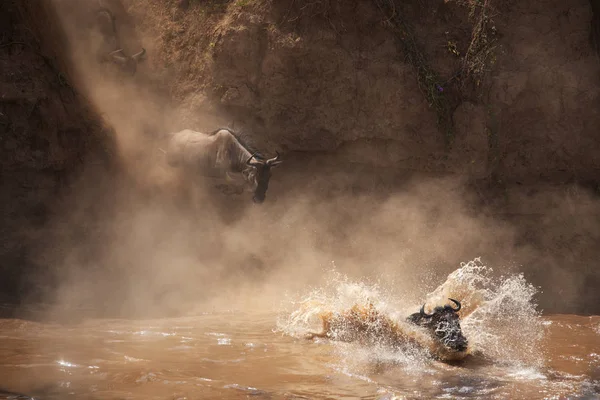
312,335
324,334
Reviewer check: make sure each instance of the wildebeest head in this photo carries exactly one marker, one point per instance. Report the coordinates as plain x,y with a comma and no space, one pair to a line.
111,49
443,324
263,174
129,64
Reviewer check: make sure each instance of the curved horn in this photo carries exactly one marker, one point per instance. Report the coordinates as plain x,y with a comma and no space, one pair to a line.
139,55
272,160
114,52
118,56
422,312
458,306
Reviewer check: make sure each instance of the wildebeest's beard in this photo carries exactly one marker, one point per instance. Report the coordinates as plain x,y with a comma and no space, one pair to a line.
263,175
444,325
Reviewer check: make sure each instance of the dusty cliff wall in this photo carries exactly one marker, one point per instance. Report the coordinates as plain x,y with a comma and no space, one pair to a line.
48,134
334,76
358,96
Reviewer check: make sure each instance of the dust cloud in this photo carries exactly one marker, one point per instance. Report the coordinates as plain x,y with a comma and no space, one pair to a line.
148,243
150,257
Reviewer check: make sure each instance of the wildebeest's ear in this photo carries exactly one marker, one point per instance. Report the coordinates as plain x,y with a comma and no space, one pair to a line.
275,163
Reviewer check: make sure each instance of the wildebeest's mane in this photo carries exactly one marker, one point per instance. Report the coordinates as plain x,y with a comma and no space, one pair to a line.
242,138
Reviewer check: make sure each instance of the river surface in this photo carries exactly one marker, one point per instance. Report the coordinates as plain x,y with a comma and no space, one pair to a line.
240,354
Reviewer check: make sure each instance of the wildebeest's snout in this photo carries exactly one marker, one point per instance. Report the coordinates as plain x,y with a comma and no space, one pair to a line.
449,331
258,199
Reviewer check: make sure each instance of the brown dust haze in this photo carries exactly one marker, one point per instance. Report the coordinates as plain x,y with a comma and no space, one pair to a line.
146,242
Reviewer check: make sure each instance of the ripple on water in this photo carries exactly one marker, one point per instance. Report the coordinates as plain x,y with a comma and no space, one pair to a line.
247,389
153,333
223,361
149,377
256,346
526,373
182,348
68,364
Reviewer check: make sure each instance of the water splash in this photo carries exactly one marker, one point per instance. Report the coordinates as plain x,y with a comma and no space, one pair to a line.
499,316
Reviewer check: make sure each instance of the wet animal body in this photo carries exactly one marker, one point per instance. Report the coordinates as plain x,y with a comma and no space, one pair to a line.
221,155
110,49
366,325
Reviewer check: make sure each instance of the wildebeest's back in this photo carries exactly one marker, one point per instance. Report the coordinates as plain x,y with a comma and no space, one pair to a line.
106,27
194,151
101,32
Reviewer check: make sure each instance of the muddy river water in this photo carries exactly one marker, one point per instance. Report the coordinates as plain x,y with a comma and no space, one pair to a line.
238,354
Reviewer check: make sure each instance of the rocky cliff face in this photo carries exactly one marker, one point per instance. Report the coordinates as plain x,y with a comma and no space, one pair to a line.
520,81
48,132
546,92
359,96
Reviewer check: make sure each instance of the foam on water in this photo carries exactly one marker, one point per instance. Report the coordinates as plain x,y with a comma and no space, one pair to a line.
498,316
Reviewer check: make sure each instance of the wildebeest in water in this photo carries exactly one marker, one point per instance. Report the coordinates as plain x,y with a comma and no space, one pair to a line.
222,156
444,324
367,325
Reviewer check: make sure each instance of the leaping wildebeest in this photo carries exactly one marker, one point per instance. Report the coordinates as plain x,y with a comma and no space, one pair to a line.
222,155
369,325
111,49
